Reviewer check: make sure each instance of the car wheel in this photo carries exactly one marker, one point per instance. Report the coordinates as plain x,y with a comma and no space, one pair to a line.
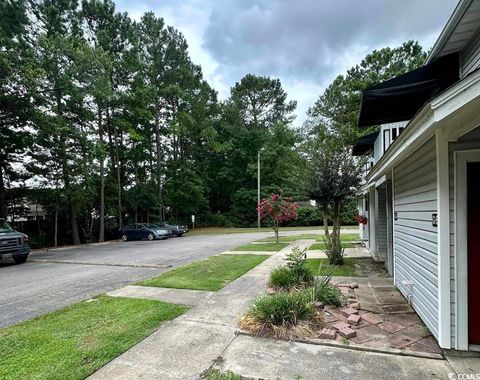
20,259
150,237
124,237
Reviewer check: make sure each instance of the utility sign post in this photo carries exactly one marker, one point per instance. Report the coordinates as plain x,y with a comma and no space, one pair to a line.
193,222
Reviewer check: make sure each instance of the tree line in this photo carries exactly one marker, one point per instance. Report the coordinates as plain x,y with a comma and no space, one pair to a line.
105,120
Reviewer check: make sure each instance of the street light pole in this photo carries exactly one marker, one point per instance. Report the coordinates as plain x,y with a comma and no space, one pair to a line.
258,188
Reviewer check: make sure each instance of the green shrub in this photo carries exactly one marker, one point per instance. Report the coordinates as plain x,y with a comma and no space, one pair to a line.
325,292
296,261
283,278
294,274
334,251
282,309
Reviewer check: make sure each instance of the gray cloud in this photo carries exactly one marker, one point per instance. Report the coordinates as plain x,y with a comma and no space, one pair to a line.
305,43
309,39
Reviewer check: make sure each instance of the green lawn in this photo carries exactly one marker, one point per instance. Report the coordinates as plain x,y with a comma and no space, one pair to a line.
73,342
268,247
289,239
234,230
209,274
348,269
317,237
318,246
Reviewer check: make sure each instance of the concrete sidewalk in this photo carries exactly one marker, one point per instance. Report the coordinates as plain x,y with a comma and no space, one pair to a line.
193,342
188,345
260,358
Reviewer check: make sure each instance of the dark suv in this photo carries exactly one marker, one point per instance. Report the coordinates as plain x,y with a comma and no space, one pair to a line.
13,244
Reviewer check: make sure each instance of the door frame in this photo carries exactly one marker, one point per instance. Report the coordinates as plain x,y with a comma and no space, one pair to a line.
461,158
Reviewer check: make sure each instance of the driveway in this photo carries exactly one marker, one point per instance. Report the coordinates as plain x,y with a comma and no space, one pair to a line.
54,279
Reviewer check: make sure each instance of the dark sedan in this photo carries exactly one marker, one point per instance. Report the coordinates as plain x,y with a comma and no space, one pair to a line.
139,231
174,229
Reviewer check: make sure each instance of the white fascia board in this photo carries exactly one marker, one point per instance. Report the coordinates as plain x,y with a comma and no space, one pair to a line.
448,29
366,187
380,181
423,125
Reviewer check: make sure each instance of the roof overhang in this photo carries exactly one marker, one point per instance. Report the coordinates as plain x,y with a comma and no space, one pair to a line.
400,98
461,27
364,144
445,109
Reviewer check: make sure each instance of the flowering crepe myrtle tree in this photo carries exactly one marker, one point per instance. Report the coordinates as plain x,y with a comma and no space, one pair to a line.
277,209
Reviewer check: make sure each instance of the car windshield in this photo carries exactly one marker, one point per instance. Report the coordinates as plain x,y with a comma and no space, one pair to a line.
5,227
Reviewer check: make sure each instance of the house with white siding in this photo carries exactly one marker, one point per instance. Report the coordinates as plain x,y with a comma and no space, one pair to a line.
421,192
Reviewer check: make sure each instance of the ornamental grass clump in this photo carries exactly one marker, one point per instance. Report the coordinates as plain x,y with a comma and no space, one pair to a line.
283,278
324,291
294,274
283,315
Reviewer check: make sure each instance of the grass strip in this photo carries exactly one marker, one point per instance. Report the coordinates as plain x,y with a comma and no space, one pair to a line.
320,246
347,270
234,230
74,342
209,274
265,247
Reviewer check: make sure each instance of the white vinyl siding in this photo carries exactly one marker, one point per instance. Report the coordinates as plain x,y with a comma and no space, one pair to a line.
470,57
415,240
382,222
469,141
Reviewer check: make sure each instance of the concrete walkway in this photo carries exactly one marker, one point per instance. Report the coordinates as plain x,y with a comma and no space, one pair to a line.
190,344
260,358
177,296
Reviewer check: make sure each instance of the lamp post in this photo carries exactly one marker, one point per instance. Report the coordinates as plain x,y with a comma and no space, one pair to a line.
258,186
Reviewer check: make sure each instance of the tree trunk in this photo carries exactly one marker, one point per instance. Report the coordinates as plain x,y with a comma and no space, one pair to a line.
55,226
275,228
325,226
3,200
101,234
119,179
159,158
73,224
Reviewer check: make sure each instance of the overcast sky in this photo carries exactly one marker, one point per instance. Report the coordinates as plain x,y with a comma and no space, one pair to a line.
305,43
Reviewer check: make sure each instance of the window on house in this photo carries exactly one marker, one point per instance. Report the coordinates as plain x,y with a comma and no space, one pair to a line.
394,134
386,139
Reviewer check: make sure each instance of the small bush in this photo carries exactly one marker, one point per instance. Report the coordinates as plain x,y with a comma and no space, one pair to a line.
283,278
296,262
280,314
325,292
334,252
295,274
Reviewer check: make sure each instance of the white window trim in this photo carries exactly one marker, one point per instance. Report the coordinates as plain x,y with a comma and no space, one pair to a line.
461,158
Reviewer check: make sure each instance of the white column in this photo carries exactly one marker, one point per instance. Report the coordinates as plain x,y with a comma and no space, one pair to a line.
443,239
372,219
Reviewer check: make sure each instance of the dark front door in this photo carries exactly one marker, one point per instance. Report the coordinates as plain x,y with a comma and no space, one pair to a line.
473,220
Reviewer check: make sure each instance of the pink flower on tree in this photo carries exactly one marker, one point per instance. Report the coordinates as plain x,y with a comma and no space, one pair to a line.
276,210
